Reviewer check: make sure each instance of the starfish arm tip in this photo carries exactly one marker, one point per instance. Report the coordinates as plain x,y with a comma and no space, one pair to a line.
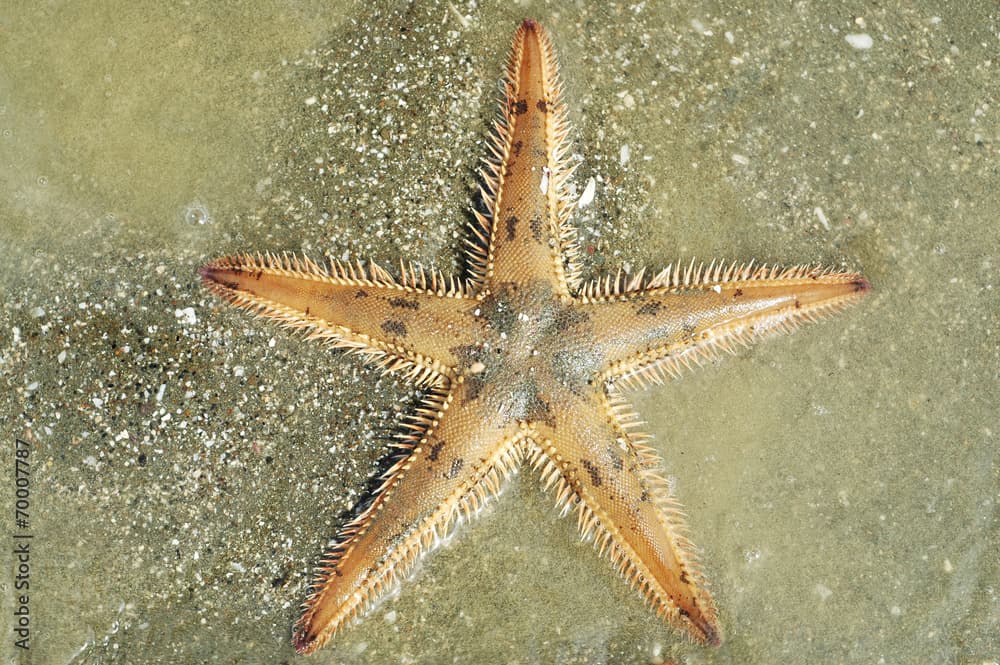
303,643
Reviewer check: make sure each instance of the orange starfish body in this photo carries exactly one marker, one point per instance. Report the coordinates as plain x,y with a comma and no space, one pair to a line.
524,364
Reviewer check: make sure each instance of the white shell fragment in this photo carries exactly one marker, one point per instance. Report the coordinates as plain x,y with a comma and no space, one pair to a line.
860,40
587,197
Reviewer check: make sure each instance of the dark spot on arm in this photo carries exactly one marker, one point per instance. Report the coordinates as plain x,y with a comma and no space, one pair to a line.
542,106
570,317
737,293
360,293
404,303
538,411
435,450
595,474
511,227
520,107
649,309
397,328
536,228
456,466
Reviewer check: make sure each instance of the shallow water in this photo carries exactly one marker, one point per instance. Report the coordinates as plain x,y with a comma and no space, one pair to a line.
188,464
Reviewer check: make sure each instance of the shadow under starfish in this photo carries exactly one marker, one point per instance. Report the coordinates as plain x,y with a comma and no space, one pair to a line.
524,364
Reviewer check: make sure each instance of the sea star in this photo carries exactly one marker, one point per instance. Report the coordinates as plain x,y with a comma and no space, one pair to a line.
523,363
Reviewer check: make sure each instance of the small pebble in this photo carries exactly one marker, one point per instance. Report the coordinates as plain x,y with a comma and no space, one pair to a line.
860,40
186,316
625,155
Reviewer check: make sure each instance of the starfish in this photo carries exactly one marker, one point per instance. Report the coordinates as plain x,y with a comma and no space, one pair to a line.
524,363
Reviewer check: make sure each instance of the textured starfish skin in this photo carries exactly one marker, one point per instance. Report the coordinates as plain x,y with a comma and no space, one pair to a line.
524,364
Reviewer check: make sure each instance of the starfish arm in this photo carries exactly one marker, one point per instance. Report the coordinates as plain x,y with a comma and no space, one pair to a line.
680,318
409,325
453,460
525,235
606,473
